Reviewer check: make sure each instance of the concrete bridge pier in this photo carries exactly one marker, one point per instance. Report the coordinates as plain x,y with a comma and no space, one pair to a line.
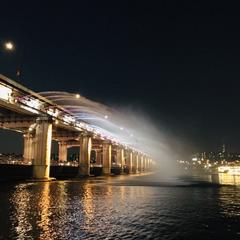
28,147
98,157
150,164
42,151
145,164
62,152
140,165
107,158
135,162
130,161
85,154
120,157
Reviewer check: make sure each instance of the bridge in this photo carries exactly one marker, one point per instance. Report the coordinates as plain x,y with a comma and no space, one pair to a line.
71,120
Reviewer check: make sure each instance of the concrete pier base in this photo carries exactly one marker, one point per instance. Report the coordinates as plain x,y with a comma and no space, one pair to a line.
28,148
107,158
120,157
129,161
135,162
42,153
140,164
62,152
85,154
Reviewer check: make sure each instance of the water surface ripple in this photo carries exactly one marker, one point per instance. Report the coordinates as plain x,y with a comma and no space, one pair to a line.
120,208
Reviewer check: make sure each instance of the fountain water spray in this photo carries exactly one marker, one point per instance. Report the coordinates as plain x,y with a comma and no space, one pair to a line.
122,127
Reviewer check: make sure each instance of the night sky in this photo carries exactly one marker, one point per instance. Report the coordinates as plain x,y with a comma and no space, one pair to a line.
176,61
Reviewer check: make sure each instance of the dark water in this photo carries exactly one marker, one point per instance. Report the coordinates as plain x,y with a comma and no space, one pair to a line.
121,208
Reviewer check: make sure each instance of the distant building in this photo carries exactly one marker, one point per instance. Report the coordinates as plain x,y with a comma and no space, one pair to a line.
209,160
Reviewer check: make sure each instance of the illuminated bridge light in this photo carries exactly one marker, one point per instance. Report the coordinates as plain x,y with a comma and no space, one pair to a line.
5,93
68,119
53,112
77,95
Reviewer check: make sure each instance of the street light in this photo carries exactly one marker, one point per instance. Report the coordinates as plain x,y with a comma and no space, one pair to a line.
9,46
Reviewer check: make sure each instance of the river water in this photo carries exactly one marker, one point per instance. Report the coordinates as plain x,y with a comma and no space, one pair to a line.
123,207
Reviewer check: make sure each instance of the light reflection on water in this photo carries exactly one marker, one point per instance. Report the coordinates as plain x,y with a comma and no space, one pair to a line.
119,208
229,195
229,201
20,202
225,178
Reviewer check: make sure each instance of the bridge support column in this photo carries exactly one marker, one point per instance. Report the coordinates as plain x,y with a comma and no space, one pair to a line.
85,154
147,164
120,157
150,164
144,164
62,152
140,165
135,162
42,151
98,158
107,158
130,161
28,148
